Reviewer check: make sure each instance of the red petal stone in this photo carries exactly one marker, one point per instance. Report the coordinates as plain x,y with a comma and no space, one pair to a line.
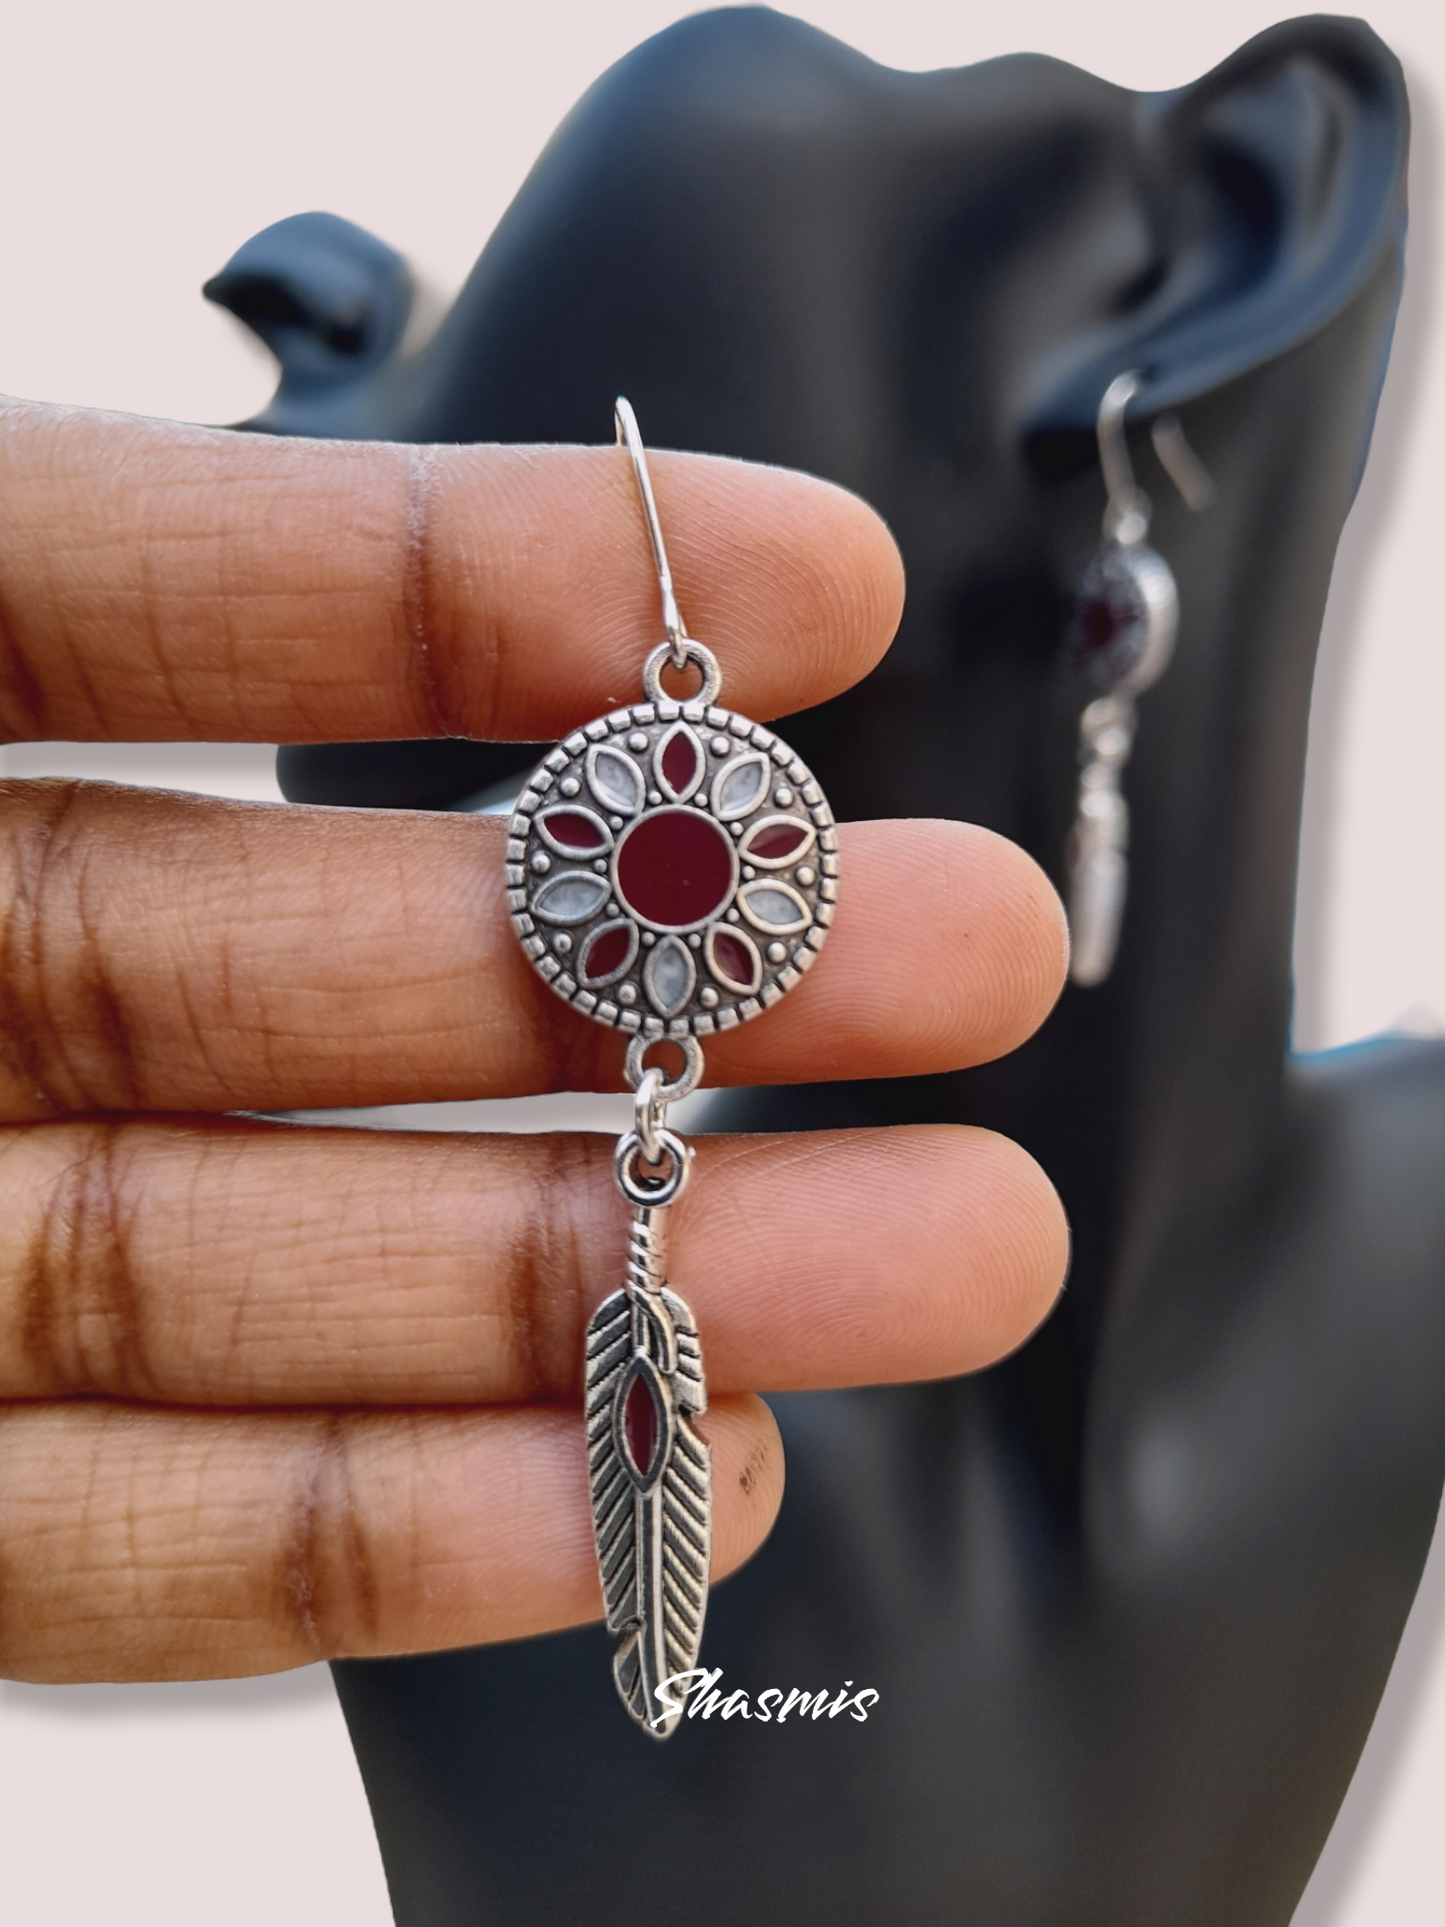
639,1424
607,951
733,957
574,831
776,840
679,762
675,868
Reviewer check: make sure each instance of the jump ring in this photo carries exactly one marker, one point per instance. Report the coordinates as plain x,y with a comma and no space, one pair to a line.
687,1080
648,1114
651,1191
694,652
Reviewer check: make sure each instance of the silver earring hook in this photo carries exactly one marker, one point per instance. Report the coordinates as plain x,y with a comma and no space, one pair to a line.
1183,467
629,436
1126,517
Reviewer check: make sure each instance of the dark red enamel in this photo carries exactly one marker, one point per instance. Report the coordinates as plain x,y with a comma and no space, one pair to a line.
679,762
675,868
574,831
639,1424
732,956
776,841
606,952
1101,619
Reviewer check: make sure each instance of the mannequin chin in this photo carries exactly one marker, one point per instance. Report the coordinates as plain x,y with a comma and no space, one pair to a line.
1130,1599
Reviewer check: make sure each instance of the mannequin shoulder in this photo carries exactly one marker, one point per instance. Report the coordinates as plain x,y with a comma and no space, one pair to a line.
1355,1231
1371,1119
1288,1367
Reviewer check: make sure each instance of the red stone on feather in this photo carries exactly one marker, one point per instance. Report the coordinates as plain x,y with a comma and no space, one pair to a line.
639,1424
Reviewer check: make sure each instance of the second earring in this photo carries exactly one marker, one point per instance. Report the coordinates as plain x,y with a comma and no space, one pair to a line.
1120,639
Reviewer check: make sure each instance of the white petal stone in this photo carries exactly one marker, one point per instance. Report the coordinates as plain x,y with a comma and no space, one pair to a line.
602,836
740,786
774,907
668,976
615,780
572,896
769,829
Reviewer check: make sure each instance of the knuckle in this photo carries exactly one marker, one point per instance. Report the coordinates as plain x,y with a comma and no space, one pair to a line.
65,1039
328,1582
83,1328
551,1272
455,649
422,638
22,697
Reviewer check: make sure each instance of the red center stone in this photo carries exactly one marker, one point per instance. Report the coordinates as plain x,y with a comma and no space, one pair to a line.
1101,619
1100,624
675,868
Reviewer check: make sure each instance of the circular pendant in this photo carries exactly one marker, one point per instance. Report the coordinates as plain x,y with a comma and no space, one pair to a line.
672,869
1122,626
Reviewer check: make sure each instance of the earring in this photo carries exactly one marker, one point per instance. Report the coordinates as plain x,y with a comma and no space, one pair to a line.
1120,638
672,870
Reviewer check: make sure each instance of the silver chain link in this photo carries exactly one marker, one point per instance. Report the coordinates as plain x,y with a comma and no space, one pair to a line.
649,1144
650,1115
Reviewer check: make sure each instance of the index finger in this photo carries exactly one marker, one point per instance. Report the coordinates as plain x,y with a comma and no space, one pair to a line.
160,582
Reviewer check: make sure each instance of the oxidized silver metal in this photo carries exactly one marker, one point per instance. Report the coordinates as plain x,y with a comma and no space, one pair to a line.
653,1522
610,776
672,870
1099,842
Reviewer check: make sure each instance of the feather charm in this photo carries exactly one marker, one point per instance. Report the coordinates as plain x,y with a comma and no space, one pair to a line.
651,1476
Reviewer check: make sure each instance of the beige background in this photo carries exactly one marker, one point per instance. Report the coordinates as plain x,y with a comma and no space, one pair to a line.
139,145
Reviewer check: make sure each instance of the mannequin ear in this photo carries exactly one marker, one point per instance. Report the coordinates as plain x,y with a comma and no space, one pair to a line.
328,299
1273,191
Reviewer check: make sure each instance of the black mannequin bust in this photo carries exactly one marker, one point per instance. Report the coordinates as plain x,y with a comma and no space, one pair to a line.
1129,1599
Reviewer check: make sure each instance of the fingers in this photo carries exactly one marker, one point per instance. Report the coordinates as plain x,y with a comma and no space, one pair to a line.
168,953
250,1264
153,1545
161,582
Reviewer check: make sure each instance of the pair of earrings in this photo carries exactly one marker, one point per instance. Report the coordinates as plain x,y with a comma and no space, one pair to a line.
1120,638
672,872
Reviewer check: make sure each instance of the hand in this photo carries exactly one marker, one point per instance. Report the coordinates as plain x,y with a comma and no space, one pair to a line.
272,1393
